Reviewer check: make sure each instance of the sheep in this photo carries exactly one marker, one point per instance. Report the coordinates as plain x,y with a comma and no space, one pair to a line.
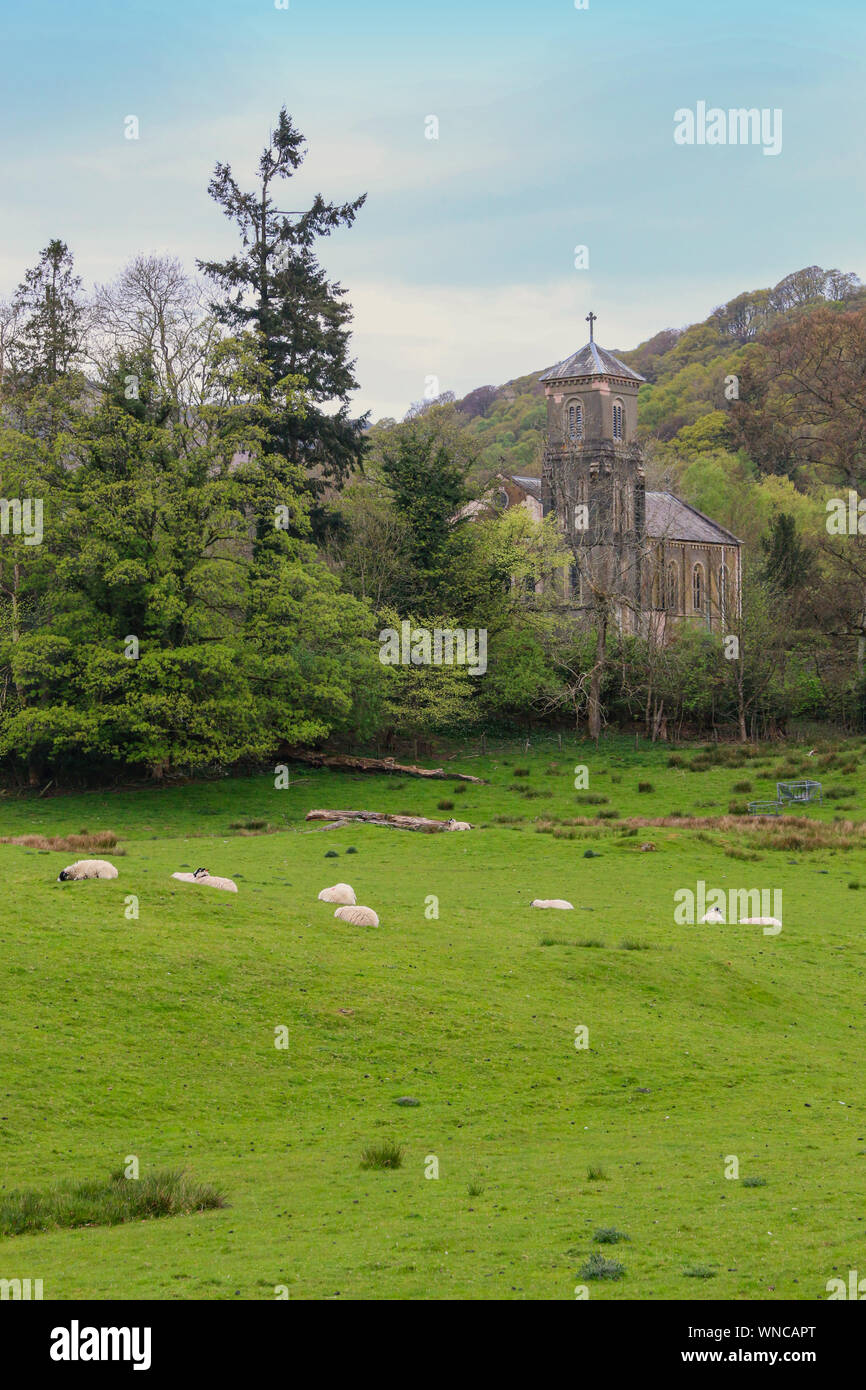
209,880
87,868
760,922
552,902
714,915
458,824
358,916
340,893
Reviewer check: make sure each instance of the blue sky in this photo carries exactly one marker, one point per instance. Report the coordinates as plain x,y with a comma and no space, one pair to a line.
555,130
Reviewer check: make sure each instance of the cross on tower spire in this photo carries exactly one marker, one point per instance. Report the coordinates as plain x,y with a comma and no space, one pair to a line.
591,318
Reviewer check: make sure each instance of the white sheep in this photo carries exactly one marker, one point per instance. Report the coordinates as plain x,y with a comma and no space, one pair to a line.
209,880
760,922
340,893
552,902
458,824
358,916
714,915
87,868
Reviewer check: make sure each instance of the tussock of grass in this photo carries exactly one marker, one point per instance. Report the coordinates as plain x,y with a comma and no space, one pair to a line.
591,799
699,1272
754,1182
742,787
101,839
386,1154
609,1235
645,787
445,805
71,1204
595,1173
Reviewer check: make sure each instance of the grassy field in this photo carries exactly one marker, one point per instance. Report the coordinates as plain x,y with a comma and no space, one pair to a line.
155,1036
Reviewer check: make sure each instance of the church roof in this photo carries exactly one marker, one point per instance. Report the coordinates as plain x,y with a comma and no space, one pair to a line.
530,485
668,518
592,360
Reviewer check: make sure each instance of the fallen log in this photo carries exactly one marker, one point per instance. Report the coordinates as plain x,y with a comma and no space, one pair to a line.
352,764
428,827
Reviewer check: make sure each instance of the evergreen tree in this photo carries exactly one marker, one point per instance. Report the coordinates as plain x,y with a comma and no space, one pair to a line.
428,490
50,306
276,286
788,562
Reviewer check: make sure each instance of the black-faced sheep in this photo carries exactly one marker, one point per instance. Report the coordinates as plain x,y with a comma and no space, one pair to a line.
209,880
87,868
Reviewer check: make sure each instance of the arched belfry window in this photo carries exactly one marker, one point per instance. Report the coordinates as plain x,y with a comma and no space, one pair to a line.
698,588
575,421
618,431
672,588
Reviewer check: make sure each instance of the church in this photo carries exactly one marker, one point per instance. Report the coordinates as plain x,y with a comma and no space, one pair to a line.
648,559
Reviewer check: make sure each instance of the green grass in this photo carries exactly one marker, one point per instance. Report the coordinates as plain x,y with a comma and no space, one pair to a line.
106,1203
154,1035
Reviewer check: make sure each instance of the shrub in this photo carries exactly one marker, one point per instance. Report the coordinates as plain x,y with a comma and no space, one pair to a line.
676,760
737,808
598,1267
609,1235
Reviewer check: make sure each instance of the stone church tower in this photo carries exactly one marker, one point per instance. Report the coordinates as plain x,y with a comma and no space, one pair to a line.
593,479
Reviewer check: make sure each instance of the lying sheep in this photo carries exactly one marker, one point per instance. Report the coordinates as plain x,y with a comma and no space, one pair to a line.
552,902
714,915
87,868
209,880
458,824
760,922
340,893
358,916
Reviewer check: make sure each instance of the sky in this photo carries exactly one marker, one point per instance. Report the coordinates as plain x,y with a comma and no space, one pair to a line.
555,130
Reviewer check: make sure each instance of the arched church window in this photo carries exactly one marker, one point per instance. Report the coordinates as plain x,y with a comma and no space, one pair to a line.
617,421
698,588
672,588
575,421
